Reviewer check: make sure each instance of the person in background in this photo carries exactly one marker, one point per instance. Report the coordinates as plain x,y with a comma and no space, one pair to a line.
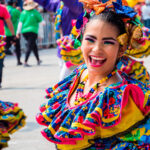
66,11
98,107
42,24
20,4
146,13
4,17
29,26
15,14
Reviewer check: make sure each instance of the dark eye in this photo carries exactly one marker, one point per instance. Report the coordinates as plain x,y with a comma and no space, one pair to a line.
89,39
109,42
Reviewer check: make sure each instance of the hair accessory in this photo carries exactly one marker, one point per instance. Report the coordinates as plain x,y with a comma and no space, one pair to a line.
80,96
96,6
125,11
133,39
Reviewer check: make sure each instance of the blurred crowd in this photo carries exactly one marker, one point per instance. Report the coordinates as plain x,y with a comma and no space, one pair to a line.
16,11
22,24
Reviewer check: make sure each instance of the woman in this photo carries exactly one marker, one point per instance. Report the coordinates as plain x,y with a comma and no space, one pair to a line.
96,107
28,26
71,51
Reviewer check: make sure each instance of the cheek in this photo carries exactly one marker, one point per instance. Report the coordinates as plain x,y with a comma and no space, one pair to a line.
113,53
84,49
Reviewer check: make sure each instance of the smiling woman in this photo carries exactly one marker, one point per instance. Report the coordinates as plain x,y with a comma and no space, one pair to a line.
100,46
97,106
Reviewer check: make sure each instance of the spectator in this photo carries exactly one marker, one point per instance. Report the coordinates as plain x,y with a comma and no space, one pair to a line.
4,16
20,4
67,10
15,14
28,26
42,24
146,13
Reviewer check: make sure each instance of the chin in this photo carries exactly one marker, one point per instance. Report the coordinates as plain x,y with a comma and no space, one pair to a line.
101,70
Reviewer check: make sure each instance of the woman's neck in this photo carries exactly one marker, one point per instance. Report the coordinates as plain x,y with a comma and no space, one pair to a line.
93,79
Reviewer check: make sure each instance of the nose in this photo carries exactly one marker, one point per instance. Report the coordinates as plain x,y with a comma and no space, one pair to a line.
98,47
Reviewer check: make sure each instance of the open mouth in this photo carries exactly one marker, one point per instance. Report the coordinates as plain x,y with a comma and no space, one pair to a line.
96,61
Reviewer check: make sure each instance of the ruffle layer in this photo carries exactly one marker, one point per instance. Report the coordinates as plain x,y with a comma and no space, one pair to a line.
2,44
2,54
68,51
12,118
143,51
66,125
134,69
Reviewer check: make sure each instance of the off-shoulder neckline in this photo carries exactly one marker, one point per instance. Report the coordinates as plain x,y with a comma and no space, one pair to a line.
77,77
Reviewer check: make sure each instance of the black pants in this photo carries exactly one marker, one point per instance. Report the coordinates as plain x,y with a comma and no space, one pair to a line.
31,45
1,69
9,40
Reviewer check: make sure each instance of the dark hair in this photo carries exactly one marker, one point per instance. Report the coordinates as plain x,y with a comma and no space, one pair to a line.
11,2
112,18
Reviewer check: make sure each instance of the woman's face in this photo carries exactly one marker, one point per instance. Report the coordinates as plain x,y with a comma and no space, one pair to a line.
100,47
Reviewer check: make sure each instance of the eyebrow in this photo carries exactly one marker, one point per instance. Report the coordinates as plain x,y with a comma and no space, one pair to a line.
109,38
106,38
92,36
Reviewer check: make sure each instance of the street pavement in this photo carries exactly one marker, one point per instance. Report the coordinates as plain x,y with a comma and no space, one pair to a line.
26,86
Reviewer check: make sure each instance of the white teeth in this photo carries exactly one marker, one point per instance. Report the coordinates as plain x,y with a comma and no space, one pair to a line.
97,58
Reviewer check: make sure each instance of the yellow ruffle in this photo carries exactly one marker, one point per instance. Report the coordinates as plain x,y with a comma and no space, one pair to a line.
71,52
137,72
2,54
143,51
130,115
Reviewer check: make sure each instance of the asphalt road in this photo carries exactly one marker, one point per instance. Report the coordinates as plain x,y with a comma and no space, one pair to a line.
26,86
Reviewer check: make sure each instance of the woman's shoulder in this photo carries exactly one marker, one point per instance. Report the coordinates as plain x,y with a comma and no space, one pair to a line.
133,68
65,84
131,88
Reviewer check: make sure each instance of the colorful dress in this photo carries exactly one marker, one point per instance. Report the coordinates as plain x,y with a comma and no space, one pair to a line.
134,69
12,118
117,118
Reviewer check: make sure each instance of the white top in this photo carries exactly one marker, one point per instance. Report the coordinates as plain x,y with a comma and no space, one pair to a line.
145,12
19,28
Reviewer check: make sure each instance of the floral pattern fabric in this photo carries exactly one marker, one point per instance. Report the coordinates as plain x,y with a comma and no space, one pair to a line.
94,120
12,118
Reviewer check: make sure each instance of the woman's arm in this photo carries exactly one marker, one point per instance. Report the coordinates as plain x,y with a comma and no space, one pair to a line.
50,5
10,26
19,29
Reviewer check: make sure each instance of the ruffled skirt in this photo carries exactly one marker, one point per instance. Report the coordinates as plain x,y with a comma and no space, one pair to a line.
12,118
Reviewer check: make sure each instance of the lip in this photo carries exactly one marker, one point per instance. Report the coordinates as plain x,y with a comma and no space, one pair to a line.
97,58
